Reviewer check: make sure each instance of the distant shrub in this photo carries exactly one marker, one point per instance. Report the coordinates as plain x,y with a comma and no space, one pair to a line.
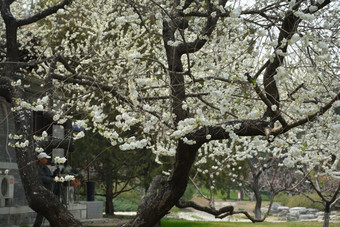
127,201
123,204
303,201
189,193
299,200
282,199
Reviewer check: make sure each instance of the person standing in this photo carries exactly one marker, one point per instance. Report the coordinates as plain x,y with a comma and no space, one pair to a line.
46,178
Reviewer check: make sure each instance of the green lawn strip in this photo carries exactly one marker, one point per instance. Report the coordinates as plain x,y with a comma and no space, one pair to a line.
183,223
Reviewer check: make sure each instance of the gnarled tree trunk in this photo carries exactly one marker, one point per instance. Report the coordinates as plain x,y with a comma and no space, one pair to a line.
163,193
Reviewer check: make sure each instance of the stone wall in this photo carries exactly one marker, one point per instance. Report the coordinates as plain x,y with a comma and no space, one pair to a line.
23,215
303,213
8,156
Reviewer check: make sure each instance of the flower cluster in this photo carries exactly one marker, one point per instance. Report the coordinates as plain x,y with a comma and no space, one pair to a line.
64,178
59,160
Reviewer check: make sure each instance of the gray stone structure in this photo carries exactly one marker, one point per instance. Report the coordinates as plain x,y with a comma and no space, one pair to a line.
302,213
8,156
23,215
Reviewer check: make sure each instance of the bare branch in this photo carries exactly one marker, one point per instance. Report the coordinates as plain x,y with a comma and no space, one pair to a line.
185,204
47,12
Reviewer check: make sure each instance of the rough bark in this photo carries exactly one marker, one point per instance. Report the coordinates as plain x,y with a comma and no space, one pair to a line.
254,185
163,193
326,216
257,210
213,211
39,198
109,208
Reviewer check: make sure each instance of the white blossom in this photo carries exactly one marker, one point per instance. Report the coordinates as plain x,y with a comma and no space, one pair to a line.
60,160
78,135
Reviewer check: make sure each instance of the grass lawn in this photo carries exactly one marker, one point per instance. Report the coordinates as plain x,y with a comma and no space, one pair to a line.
182,223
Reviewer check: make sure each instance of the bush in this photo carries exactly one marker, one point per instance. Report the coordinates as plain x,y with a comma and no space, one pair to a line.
189,192
303,201
299,200
123,204
127,201
282,199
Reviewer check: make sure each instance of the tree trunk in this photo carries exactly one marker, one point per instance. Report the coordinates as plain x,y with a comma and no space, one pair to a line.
228,193
39,198
326,216
258,203
163,193
256,189
159,224
109,208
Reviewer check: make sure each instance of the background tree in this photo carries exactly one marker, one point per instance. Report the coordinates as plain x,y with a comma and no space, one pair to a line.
218,171
117,171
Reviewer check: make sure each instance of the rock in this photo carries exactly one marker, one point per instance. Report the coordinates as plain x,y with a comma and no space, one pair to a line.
307,216
293,215
274,207
319,214
282,208
312,211
264,210
299,210
283,213
319,218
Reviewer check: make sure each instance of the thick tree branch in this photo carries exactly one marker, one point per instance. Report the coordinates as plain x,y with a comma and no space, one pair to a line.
240,128
47,12
91,83
267,101
6,11
289,27
279,130
211,210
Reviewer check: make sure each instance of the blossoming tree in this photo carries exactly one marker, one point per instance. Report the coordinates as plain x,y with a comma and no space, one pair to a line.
187,73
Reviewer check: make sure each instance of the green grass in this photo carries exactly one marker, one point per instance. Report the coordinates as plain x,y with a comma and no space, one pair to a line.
181,223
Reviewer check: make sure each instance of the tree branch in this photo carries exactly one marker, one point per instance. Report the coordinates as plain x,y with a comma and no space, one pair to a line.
185,204
47,12
267,102
279,130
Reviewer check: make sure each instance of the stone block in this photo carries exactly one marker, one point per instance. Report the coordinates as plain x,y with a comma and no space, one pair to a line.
300,210
264,210
283,213
274,207
282,208
83,214
319,214
94,209
294,214
307,216
312,211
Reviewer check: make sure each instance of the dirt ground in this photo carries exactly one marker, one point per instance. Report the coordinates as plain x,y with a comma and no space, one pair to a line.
187,214
238,205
